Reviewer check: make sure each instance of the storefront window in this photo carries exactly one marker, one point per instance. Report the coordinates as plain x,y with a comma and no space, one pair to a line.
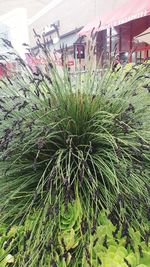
124,56
118,42
113,32
141,55
114,45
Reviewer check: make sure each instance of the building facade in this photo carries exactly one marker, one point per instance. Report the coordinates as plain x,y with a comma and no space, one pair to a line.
71,14
114,40
120,42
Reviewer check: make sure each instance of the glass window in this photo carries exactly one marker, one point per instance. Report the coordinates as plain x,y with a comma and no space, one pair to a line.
134,57
124,57
140,56
114,31
115,45
108,32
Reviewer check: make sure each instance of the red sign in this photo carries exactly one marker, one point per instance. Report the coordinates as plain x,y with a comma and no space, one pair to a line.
70,63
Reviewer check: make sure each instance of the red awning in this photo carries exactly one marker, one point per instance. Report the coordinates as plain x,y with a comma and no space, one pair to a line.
131,10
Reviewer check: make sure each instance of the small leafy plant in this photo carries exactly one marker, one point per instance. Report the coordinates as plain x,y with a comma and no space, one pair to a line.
107,246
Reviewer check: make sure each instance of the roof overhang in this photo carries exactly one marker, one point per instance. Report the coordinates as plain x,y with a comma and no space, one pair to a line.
129,11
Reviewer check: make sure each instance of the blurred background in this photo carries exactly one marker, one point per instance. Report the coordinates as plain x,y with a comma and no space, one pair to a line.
124,31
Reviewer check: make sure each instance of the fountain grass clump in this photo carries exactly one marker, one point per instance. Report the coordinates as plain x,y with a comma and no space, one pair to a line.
74,168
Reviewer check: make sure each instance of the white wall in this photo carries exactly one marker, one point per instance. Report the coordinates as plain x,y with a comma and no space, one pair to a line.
16,21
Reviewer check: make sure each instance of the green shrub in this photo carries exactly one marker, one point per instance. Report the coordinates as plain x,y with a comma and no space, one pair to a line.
69,151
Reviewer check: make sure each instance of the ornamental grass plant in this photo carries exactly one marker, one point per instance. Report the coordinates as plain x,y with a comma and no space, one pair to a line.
74,167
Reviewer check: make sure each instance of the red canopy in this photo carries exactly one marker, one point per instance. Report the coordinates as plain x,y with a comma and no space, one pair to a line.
131,10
